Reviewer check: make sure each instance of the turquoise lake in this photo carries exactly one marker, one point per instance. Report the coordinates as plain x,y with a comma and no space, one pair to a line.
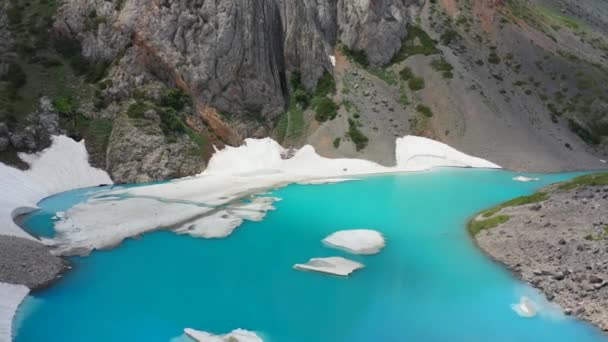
430,283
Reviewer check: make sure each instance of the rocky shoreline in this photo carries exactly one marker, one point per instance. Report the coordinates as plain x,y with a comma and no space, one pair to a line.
557,241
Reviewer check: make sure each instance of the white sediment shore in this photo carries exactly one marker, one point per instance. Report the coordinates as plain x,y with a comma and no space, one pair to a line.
356,241
204,205
10,298
238,335
332,265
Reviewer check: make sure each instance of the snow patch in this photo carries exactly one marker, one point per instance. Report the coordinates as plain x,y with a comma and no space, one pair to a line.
332,59
357,241
61,167
331,265
238,335
10,298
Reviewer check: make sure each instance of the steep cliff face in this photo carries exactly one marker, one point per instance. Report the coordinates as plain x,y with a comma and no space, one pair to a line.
374,27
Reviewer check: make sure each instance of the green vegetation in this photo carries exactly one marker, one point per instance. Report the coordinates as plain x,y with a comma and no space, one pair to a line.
175,98
594,179
476,226
441,65
493,58
417,42
416,83
358,138
384,74
406,73
449,36
534,198
137,109
424,110
337,142
326,85
359,56
325,109
585,134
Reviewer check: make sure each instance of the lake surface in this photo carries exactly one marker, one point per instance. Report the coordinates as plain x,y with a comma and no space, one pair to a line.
430,283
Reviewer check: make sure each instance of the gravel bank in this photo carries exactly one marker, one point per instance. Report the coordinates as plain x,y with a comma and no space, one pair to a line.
27,262
560,246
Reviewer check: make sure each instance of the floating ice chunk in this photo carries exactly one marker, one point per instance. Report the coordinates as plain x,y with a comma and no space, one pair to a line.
222,223
238,335
525,179
525,307
357,241
332,265
603,161
10,298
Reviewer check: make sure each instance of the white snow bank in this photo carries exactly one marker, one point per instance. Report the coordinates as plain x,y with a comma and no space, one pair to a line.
332,59
10,298
525,307
525,179
356,241
238,335
204,205
61,167
331,265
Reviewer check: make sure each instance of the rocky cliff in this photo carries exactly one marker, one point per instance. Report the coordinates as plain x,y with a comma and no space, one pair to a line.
508,81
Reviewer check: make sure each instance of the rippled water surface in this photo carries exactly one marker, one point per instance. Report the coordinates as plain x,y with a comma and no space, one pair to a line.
429,284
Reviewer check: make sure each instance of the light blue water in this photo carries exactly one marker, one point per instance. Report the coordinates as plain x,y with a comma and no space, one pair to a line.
429,284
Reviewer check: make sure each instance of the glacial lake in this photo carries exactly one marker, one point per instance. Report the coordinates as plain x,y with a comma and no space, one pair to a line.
430,283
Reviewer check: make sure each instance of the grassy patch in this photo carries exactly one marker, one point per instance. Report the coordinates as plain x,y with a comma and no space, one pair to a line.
424,110
358,138
523,200
406,74
476,226
585,134
441,65
326,85
416,83
594,179
417,42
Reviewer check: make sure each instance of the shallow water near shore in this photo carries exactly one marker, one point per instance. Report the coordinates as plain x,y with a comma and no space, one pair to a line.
429,284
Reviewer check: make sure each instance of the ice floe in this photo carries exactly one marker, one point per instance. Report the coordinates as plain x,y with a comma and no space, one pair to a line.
525,307
525,179
356,241
61,167
238,335
331,265
10,298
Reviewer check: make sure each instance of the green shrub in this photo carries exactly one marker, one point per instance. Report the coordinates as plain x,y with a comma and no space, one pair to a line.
15,76
585,134
493,58
409,46
337,142
325,109
65,105
301,97
171,124
137,109
442,66
358,138
416,83
359,56
175,99
424,110
406,73
326,85
449,36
